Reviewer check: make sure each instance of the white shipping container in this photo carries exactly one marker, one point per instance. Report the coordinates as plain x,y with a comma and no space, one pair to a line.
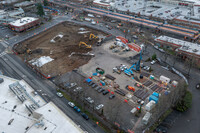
133,110
164,79
150,105
146,118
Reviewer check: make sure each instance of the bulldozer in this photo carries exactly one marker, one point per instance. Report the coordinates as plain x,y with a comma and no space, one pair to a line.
92,36
87,46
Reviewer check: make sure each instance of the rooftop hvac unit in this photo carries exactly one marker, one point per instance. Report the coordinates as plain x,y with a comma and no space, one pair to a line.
195,50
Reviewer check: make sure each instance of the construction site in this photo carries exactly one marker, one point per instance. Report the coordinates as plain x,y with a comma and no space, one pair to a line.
65,46
100,66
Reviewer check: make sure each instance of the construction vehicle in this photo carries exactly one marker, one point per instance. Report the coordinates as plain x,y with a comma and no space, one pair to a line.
99,41
135,67
130,88
87,46
112,47
93,36
117,70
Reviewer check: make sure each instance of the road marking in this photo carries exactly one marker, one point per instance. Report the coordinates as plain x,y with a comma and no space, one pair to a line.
2,54
4,44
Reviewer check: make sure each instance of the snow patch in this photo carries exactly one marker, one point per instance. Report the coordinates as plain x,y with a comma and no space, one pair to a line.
41,61
83,32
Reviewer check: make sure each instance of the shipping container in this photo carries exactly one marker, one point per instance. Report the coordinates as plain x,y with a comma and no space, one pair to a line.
146,118
150,105
153,98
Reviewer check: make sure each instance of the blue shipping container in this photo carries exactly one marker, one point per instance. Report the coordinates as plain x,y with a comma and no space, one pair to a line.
153,98
156,94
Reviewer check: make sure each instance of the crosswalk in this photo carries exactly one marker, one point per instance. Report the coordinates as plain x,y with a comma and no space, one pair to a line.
4,43
2,54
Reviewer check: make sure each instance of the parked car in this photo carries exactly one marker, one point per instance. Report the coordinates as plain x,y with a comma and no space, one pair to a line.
78,89
112,96
156,47
97,88
85,116
105,92
153,62
71,104
99,106
101,90
161,129
77,109
59,94
198,86
161,50
94,85
91,83
89,99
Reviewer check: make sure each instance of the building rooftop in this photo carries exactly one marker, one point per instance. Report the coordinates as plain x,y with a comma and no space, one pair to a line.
24,3
18,100
23,21
183,46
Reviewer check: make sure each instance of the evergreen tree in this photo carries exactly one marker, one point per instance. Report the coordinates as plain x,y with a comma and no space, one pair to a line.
40,10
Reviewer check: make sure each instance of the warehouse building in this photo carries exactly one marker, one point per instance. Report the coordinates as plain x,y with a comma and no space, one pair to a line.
24,24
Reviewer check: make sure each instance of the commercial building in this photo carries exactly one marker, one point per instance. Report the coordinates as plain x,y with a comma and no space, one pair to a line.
10,16
23,110
24,24
184,49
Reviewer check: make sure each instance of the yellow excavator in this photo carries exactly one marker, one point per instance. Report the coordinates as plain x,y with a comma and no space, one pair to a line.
93,36
87,46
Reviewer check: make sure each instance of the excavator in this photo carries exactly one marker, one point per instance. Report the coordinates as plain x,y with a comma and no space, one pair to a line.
93,36
87,46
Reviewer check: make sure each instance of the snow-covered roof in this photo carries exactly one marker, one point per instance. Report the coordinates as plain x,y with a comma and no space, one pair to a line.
15,116
23,21
183,46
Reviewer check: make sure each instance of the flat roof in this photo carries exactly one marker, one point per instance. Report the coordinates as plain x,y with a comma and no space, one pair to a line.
183,46
24,3
13,111
23,21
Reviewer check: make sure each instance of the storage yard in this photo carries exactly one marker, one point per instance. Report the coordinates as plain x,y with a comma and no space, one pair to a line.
61,44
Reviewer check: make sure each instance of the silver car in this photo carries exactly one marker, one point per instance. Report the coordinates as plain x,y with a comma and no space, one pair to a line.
99,106
71,104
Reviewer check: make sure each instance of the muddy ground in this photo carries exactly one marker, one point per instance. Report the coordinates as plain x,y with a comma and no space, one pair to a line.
61,49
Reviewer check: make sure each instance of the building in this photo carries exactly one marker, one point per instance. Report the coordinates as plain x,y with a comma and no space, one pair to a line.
24,24
26,5
23,110
10,16
184,49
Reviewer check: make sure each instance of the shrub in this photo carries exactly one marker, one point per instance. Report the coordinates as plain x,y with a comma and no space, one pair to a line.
154,57
185,103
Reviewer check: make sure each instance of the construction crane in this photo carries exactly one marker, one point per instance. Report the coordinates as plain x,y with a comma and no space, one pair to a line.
87,46
135,67
92,36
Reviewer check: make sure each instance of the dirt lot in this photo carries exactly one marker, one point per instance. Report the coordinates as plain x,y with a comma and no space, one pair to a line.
61,49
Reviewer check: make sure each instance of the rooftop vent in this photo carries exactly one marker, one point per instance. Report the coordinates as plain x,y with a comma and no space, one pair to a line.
185,47
195,50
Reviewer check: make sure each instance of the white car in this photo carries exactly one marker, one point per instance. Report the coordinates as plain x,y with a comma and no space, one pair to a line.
89,99
156,47
99,106
161,50
153,62
71,104
59,94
